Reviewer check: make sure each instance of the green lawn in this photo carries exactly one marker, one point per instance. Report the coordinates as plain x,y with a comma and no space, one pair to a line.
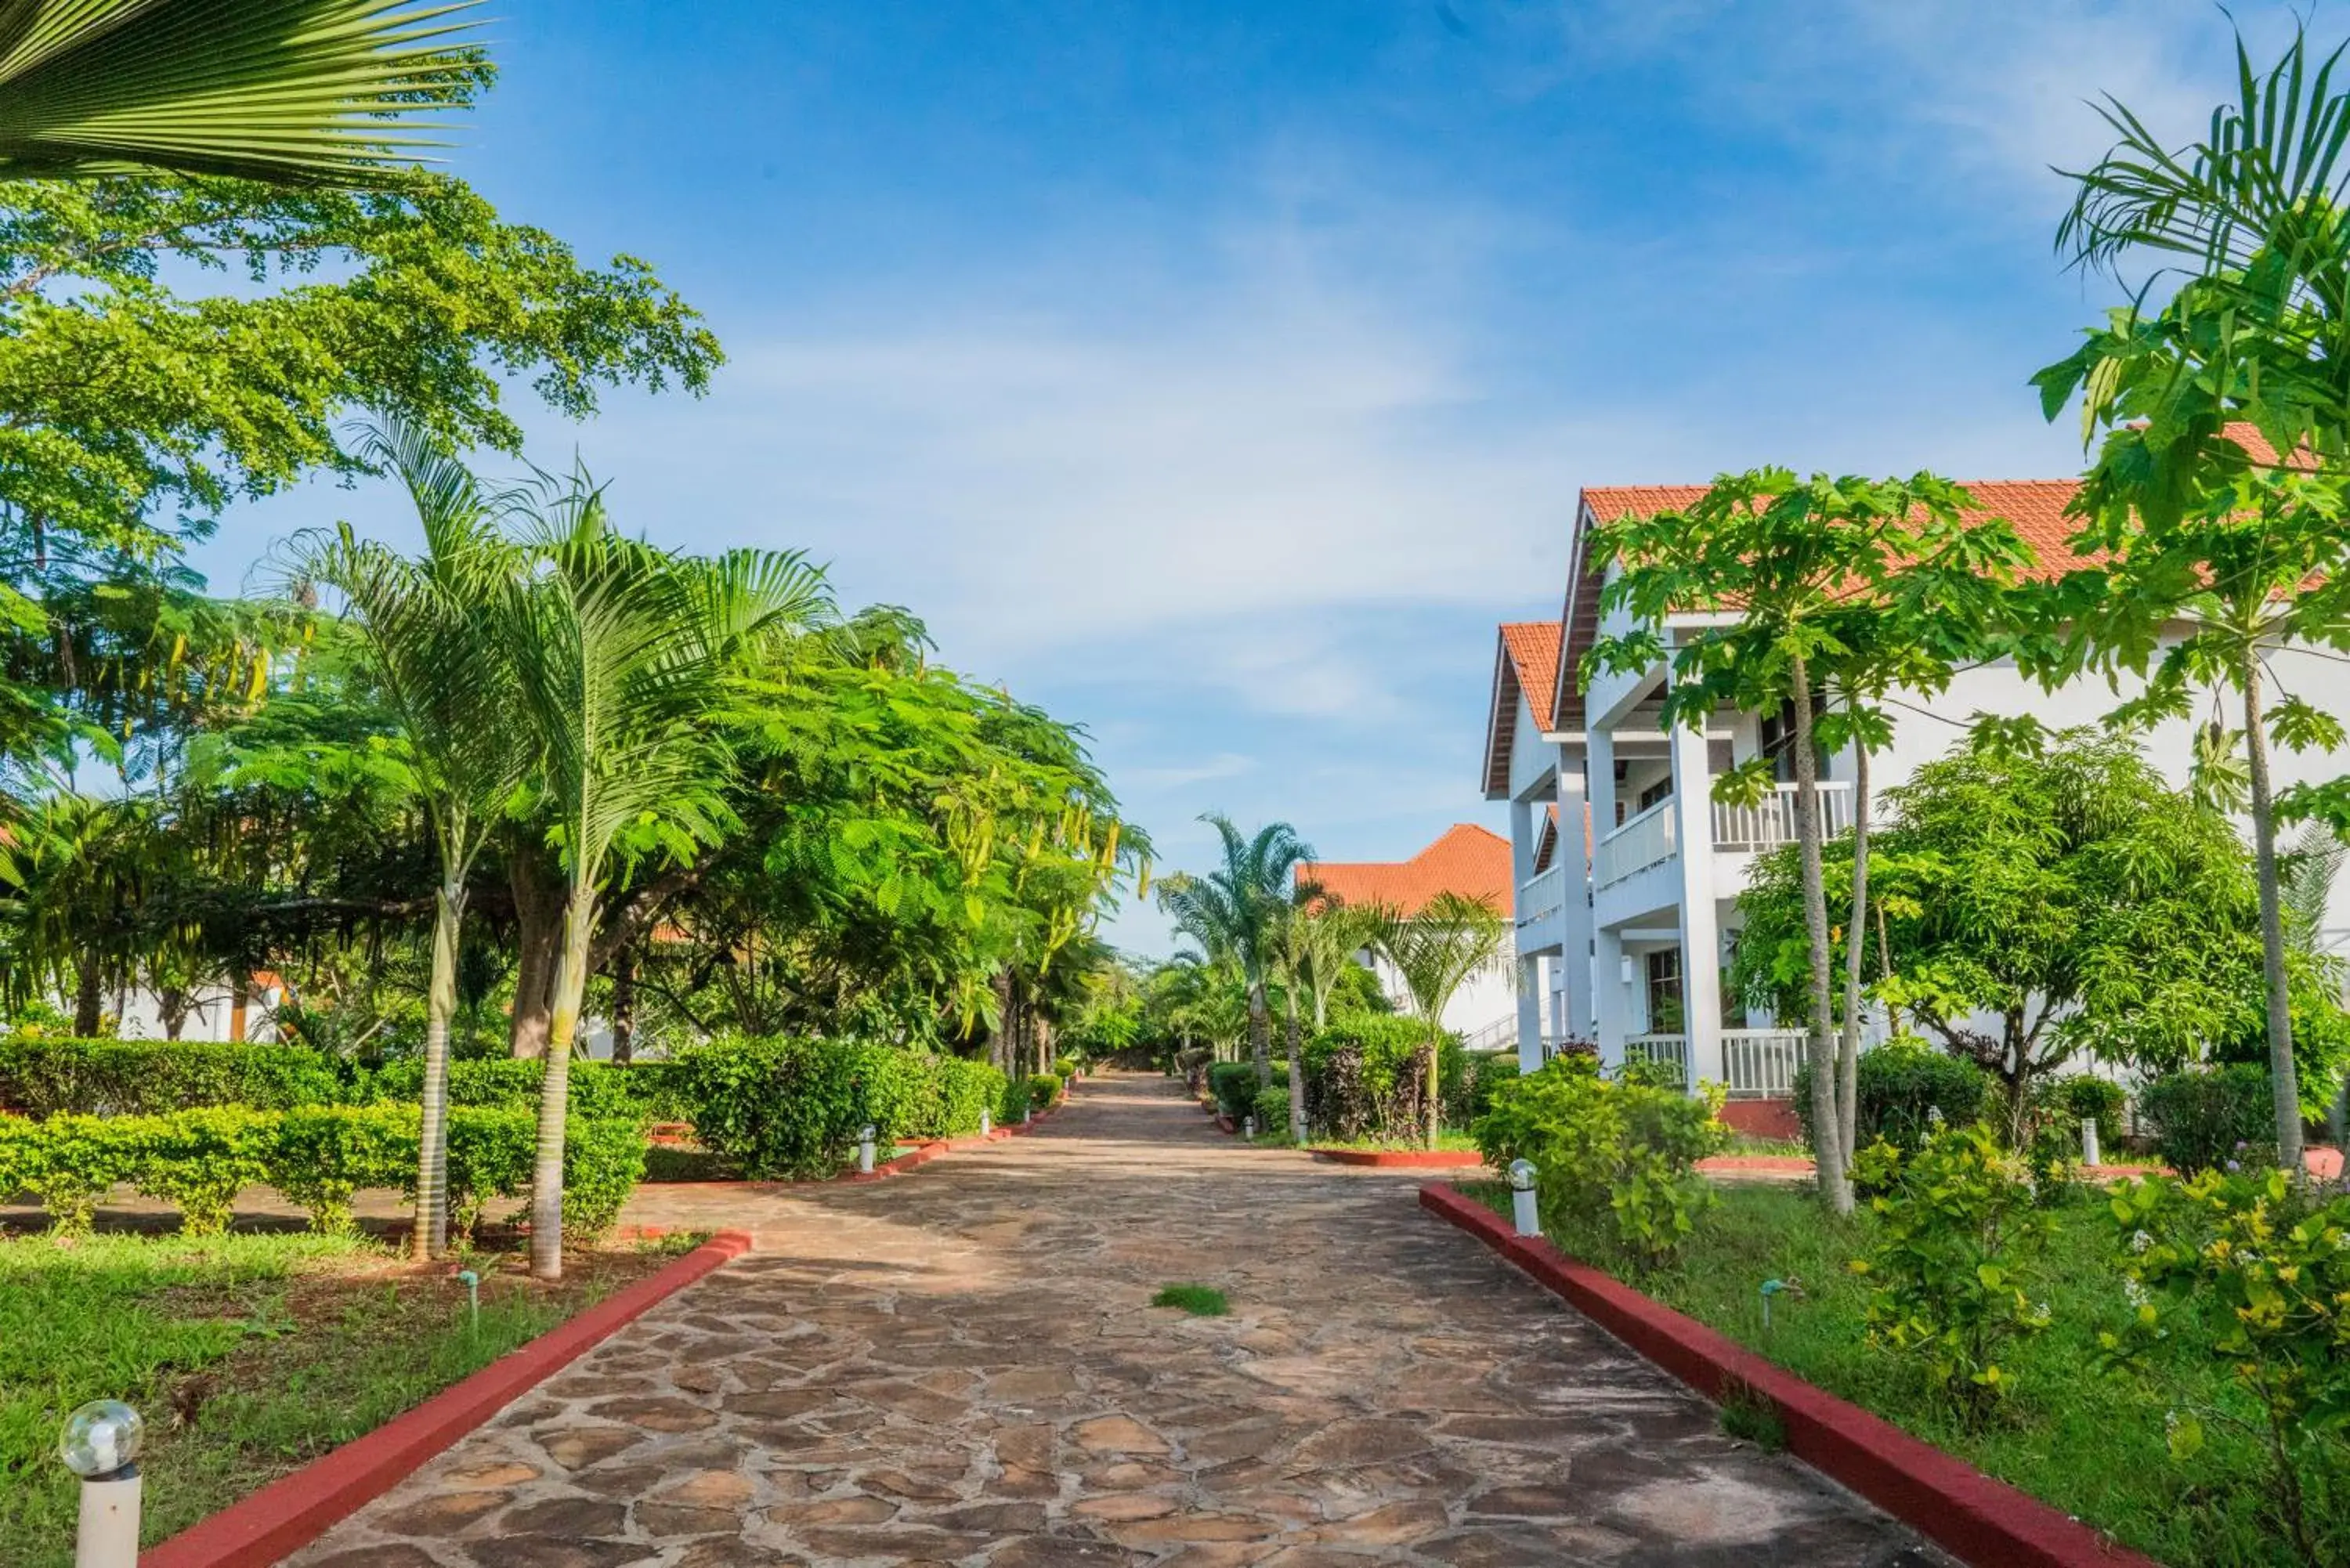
247,1356
1446,1138
2091,1443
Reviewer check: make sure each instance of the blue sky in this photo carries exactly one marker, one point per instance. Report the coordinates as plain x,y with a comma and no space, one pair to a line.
1219,372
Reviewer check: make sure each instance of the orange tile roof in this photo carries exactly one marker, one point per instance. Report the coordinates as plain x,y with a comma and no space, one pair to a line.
1467,859
1534,651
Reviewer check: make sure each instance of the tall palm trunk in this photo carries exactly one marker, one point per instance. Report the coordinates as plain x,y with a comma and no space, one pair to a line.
1296,1070
539,916
428,1237
2283,1082
1856,945
624,1005
1261,1033
88,999
553,1099
1429,1097
1827,1142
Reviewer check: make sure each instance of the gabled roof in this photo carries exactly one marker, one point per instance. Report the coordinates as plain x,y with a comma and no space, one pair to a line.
1467,859
1525,664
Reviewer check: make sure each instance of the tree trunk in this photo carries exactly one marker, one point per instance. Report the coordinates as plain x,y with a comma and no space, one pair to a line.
553,1099
539,916
624,1005
1828,1154
171,1005
2283,1079
1261,1033
89,1003
428,1237
999,1043
1855,946
1428,1084
1296,1074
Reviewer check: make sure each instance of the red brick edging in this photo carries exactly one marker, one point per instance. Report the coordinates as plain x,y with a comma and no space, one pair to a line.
291,1512
1983,1521
1404,1158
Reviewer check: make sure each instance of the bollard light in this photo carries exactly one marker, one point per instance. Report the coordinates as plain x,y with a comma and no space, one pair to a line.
473,1283
1248,1126
1521,1198
865,1152
986,1125
100,1444
2090,1153
1027,1109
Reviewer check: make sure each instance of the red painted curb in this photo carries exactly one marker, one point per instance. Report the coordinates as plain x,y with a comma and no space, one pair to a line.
921,1154
289,1514
1983,1521
1403,1159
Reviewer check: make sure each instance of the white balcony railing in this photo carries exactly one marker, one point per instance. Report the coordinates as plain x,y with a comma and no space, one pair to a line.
1664,1048
1760,1062
1542,896
1640,844
1748,829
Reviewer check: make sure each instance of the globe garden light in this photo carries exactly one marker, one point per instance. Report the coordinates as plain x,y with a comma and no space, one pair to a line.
1521,1198
100,1444
865,1152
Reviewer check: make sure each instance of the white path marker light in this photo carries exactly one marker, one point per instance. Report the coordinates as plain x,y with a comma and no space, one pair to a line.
865,1152
100,1444
1248,1126
2090,1153
986,1125
1521,1198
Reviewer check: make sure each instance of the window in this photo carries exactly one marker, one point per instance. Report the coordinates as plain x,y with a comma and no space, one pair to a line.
1665,991
1661,790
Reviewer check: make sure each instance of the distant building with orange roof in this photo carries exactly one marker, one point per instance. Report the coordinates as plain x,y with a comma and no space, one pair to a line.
1467,859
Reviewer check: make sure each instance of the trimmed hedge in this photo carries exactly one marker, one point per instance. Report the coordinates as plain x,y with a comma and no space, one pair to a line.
1045,1090
795,1107
316,1156
45,1077
1363,1077
1898,1086
1271,1109
2205,1117
1232,1084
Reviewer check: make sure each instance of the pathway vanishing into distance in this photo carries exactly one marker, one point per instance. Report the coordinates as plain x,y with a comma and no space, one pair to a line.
960,1367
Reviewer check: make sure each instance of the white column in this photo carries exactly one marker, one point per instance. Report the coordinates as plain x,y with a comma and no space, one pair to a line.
1700,935
1575,1015
1529,1012
1602,747
1609,1003
1525,838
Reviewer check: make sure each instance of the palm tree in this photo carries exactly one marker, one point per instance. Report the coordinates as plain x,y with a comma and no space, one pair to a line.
290,91
621,654
1237,911
1320,937
430,628
1436,951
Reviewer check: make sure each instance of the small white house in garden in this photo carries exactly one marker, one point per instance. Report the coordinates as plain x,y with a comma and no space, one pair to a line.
1626,872
1472,861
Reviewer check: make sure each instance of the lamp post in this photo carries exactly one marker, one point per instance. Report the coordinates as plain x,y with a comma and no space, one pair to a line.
865,1152
100,1444
1521,1198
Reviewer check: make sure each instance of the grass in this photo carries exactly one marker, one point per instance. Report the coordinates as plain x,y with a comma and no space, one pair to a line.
1199,1301
1771,1148
2093,1444
247,1354
1446,1138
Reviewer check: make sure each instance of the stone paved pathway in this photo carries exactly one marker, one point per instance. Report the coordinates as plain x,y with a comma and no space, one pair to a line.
960,1367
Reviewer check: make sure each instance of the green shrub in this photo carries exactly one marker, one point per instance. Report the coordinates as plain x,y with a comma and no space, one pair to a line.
1363,1077
1961,1232
776,1108
1012,1108
491,1153
1899,1087
1045,1090
198,1161
2072,1101
1065,1067
596,1090
2204,1117
47,1078
956,1090
603,1160
1234,1085
17,1135
1615,1159
71,1160
1271,1109
323,1154
1482,1073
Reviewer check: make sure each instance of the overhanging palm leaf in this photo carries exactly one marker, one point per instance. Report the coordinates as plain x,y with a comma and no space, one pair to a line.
1435,950
292,91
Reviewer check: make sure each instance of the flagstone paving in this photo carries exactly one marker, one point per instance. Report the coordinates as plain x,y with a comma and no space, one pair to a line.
960,1367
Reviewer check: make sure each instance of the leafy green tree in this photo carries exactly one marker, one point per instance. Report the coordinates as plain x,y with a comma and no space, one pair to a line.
292,90
1236,912
2066,895
1436,950
2197,520
1320,938
430,630
1845,587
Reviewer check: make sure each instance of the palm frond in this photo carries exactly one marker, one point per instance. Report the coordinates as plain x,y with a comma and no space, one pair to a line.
291,91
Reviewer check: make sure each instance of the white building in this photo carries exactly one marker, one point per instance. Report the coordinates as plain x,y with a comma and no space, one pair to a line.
1465,859
1627,872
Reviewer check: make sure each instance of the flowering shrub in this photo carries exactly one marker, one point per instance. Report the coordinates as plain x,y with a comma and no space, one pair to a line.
2264,1265
1960,1229
1615,1162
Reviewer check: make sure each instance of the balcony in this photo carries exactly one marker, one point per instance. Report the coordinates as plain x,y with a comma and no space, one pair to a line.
1757,1064
1542,896
1750,829
1641,842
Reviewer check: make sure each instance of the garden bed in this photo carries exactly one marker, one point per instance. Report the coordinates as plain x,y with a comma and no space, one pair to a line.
1400,1159
2091,1444
249,1356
